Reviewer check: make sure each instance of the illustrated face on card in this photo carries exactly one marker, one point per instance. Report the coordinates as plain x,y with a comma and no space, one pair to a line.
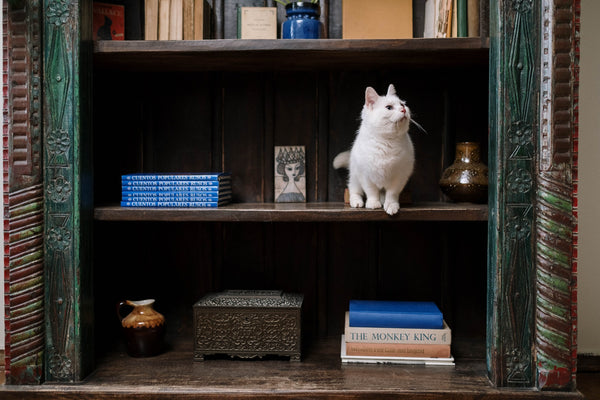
290,174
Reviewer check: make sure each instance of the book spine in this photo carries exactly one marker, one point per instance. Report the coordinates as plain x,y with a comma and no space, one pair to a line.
169,183
174,177
176,20
462,18
164,9
172,197
393,335
473,18
195,188
397,350
151,20
188,19
173,204
374,319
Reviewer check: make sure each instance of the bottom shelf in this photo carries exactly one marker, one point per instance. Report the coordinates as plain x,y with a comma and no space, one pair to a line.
320,375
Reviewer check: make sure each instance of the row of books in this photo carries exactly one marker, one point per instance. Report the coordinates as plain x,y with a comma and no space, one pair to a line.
205,190
396,332
451,18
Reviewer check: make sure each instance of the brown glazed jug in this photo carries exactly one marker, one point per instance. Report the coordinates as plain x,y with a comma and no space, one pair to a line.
466,180
143,328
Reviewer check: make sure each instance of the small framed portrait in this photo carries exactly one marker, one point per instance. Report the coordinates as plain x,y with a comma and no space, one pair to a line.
290,174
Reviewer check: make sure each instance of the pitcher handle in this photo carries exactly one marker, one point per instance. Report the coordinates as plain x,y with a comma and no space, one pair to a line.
119,307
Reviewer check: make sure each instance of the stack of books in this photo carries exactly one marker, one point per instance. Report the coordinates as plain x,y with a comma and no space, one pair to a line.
203,190
396,332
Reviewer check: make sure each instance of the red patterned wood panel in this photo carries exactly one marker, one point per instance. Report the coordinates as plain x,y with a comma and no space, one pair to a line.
23,195
556,284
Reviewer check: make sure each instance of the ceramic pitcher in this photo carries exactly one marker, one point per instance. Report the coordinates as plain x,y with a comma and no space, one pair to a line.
143,328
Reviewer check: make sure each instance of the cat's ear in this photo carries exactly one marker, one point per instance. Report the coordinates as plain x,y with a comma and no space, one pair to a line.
371,97
391,90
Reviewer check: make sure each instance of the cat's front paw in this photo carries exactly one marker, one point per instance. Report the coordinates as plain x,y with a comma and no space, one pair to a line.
391,208
373,203
356,201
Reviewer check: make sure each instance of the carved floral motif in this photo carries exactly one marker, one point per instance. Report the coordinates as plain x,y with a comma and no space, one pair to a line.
59,189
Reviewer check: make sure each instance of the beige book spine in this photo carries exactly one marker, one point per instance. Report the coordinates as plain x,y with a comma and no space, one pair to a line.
199,20
164,8
176,20
151,19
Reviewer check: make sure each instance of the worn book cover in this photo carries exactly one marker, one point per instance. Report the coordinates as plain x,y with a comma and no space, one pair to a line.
377,19
257,23
396,335
108,21
388,359
397,350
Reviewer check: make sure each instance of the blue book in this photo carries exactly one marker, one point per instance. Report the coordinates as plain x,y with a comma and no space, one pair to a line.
208,176
174,204
174,196
140,184
185,188
395,314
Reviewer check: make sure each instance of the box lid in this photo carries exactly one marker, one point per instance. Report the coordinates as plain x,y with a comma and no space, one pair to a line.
251,298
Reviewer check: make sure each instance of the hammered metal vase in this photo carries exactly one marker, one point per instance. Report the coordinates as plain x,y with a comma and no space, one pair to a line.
466,180
143,328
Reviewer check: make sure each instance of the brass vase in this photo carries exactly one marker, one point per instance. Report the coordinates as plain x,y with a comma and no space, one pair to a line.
466,180
143,328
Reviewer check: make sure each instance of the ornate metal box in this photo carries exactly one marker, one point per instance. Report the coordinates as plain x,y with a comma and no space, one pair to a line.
248,324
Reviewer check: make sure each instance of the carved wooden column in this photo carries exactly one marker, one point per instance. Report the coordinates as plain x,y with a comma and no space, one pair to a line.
68,191
556,349
514,60
531,290
23,193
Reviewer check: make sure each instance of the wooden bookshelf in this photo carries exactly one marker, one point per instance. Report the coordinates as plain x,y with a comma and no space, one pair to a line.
294,212
285,55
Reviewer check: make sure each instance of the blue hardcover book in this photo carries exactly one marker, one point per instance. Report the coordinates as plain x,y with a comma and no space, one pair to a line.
174,204
184,188
125,183
207,176
395,314
174,196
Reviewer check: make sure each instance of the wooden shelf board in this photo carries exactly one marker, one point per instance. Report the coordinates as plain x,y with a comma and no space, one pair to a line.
236,54
320,375
296,212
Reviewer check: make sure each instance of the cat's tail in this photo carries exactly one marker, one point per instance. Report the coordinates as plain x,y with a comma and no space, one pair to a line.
342,160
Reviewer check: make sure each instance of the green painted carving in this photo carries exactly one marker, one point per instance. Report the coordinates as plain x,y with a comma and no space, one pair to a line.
513,116
64,231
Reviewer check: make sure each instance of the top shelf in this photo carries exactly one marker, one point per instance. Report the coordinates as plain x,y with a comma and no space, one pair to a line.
237,54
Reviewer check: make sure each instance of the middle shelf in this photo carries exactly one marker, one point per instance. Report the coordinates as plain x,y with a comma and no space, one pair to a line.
297,212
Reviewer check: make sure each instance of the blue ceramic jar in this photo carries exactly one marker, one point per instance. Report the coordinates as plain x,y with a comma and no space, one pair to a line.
302,21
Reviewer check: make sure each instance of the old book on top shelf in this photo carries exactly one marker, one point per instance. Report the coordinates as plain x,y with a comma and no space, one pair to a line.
380,19
151,19
108,21
176,20
462,27
473,18
395,314
380,359
164,11
257,23
360,334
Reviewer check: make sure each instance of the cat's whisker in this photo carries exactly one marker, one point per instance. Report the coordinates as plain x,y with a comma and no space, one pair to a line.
418,125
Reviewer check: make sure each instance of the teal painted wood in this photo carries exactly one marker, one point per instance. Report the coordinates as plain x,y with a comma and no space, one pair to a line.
23,195
514,90
68,210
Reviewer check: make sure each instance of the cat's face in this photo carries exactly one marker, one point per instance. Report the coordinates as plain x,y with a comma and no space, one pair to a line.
385,111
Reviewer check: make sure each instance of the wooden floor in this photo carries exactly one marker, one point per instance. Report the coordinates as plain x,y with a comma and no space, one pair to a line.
222,378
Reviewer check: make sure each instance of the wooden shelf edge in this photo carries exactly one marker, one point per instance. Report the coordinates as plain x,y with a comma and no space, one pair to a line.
237,54
296,212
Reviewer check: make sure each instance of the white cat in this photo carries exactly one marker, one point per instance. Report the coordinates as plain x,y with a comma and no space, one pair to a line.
382,157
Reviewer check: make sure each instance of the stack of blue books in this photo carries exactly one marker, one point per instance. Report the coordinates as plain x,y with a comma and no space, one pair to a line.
396,332
203,190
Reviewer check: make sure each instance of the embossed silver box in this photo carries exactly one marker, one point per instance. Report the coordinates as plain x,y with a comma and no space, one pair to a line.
248,324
